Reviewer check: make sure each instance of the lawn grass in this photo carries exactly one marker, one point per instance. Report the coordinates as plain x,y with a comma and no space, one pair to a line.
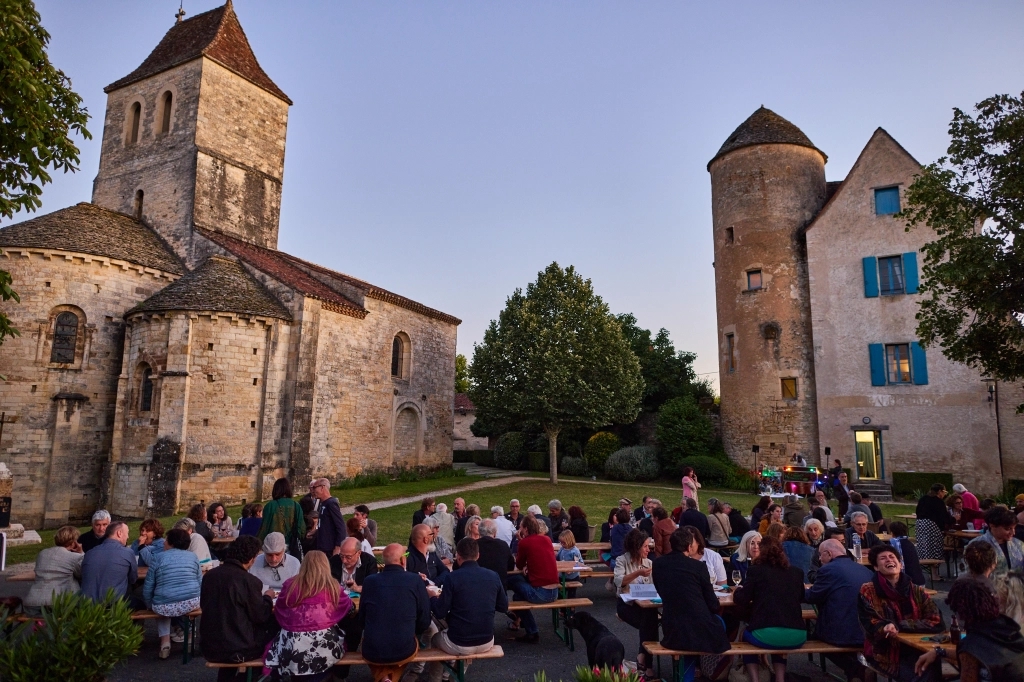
347,496
393,523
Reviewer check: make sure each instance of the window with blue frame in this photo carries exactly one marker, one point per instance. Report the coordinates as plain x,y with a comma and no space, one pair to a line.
897,356
887,201
890,275
754,280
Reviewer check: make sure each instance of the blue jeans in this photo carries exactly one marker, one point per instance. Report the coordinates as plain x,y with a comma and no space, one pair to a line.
524,591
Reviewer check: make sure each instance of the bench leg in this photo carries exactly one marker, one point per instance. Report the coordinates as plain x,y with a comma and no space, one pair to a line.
458,671
187,632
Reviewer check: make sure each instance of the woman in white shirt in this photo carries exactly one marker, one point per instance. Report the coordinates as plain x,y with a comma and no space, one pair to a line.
633,567
711,559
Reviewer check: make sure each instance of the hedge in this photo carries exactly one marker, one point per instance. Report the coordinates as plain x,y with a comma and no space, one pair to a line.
906,482
484,458
539,461
510,451
463,455
599,448
635,463
572,466
709,470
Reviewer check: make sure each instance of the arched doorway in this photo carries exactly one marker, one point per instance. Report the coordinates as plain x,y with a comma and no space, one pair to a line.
407,426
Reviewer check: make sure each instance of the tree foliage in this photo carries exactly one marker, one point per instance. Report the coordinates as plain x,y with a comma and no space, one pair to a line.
667,373
555,358
683,431
461,374
973,273
38,114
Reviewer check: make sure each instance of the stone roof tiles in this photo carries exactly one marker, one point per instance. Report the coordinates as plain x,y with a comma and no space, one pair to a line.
216,34
87,228
764,126
219,284
277,265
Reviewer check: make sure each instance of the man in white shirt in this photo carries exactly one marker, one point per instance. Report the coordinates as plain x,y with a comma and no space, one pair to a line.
274,565
505,528
819,495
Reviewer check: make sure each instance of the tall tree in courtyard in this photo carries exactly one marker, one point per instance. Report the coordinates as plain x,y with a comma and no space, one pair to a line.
555,358
38,114
461,374
974,271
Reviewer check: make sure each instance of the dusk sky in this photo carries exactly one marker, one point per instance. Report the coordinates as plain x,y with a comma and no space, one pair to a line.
448,151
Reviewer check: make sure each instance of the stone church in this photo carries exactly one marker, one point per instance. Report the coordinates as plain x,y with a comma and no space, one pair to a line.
169,353
817,292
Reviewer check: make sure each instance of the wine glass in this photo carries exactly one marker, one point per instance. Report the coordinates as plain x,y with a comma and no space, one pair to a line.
737,578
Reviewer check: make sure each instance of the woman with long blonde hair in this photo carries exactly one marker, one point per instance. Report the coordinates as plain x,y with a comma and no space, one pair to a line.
309,609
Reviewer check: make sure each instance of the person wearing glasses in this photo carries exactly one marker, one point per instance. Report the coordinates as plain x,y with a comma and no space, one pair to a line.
350,568
274,565
331,531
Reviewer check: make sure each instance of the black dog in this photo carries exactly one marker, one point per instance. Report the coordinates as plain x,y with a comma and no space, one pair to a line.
603,648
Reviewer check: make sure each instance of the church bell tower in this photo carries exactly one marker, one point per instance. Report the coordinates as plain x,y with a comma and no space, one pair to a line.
195,138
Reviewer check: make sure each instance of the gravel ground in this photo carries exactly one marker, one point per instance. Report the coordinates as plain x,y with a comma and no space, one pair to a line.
521,661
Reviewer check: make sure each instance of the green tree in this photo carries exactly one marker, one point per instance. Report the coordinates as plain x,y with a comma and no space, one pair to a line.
461,374
683,431
667,373
38,114
556,359
973,273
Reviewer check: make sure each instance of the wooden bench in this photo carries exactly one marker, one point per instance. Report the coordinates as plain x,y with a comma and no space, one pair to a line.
933,568
355,658
560,609
188,646
745,648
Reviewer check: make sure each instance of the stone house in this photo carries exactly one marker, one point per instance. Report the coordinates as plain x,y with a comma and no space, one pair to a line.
817,292
169,353
465,415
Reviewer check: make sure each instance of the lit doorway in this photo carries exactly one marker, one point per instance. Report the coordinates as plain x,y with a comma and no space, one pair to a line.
869,454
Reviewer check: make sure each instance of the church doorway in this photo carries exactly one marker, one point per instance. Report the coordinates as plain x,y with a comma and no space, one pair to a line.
407,424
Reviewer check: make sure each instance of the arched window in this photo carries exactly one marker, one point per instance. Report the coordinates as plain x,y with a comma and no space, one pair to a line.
165,113
136,119
65,338
396,357
146,390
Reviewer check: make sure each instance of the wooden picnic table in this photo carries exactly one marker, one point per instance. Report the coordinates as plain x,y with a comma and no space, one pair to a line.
964,534
222,541
593,546
922,643
564,567
30,576
908,517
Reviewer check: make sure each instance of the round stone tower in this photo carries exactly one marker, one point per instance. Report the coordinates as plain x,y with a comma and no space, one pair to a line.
767,184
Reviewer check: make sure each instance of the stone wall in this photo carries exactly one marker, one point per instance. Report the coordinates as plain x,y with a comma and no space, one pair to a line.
161,165
241,140
947,425
225,419
364,418
1011,428
220,166
762,196
57,448
463,435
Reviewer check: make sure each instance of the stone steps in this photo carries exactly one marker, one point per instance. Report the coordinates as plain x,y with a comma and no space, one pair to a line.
880,491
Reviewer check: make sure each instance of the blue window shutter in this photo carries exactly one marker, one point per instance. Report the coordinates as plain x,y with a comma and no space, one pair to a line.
877,353
870,277
918,364
887,201
910,271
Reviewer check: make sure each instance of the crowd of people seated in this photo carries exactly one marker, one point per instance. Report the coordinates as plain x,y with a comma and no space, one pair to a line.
289,572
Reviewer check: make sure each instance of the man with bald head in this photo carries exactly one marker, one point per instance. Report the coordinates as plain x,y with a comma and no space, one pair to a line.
835,592
394,610
423,558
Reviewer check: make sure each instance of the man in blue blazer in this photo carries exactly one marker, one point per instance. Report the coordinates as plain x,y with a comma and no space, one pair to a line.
835,592
394,609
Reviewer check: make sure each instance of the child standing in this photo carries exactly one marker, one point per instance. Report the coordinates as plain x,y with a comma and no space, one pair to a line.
569,552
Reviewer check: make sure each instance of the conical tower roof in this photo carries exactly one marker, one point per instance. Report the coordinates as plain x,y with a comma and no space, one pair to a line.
219,285
217,35
764,126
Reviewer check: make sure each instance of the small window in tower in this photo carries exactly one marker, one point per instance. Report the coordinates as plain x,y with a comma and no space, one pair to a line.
730,352
165,114
729,235
140,196
396,357
789,388
146,391
136,119
887,201
65,338
209,346
754,280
